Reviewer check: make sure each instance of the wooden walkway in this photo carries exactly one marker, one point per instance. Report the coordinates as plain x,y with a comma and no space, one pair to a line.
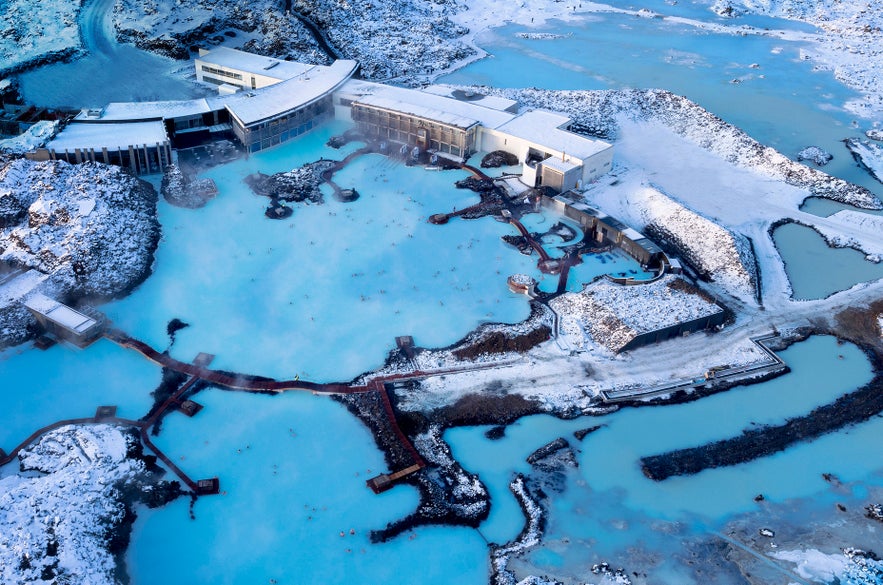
199,371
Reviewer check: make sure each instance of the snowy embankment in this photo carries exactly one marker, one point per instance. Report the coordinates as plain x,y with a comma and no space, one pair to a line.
91,228
392,39
853,567
613,315
172,27
849,43
37,31
867,154
602,112
400,39
35,137
62,515
854,221
712,250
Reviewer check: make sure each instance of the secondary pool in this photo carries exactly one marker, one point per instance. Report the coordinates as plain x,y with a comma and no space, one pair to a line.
817,270
608,509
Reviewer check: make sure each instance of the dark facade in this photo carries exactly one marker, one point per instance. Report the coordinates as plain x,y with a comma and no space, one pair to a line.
678,330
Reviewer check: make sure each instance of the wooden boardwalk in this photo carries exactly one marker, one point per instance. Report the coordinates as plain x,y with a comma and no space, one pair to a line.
199,371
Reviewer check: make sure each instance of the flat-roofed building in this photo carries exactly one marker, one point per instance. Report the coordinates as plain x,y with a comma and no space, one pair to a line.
63,321
460,123
142,147
552,155
225,66
416,125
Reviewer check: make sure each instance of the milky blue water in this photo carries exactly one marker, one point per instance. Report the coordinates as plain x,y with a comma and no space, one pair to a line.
324,293
609,505
825,207
817,270
39,388
782,102
293,472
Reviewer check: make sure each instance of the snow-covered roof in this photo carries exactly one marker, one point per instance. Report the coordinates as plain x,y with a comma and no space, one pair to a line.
544,128
85,135
488,101
559,165
441,116
253,106
632,234
60,313
253,63
420,101
152,110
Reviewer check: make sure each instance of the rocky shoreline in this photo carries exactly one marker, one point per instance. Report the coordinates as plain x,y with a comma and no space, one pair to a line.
852,408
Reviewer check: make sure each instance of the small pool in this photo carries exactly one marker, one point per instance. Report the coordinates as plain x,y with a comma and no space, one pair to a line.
817,270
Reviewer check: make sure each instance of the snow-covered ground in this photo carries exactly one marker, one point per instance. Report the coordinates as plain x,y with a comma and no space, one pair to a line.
720,188
172,27
35,31
36,136
91,227
852,567
613,315
59,512
869,155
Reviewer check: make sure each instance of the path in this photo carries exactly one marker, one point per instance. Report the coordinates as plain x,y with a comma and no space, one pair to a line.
96,27
314,29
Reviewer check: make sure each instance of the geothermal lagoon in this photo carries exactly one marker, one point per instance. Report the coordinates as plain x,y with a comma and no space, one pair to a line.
323,294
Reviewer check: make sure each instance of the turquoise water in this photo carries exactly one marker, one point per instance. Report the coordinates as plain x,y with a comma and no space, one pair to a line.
614,262
324,293
609,506
825,207
816,270
782,102
293,467
293,471
41,387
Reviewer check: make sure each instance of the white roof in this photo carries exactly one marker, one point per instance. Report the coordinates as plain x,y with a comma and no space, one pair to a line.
488,101
633,234
252,63
260,104
559,165
85,135
544,128
420,101
152,110
440,116
59,313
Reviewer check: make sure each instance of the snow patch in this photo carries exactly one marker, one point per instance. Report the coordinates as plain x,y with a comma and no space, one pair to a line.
56,515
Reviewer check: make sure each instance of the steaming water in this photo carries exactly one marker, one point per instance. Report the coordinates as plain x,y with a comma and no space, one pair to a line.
816,270
263,298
